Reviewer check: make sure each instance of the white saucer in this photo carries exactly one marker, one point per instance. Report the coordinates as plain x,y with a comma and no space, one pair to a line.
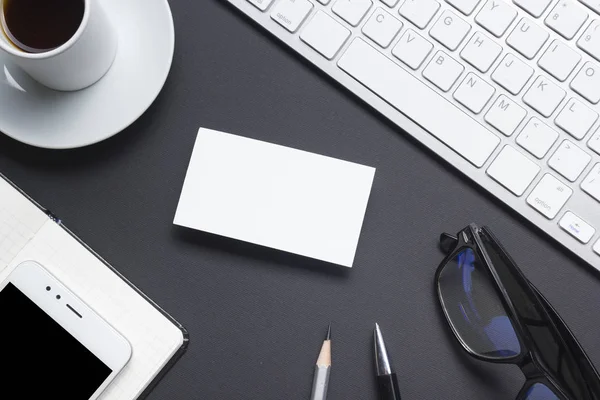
38,116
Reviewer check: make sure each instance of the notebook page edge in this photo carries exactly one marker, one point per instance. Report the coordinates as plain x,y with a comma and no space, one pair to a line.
20,220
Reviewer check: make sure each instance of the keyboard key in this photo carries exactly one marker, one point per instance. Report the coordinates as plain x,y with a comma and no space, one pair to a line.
537,138
382,28
481,52
262,5
443,71
474,93
549,196
533,7
390,3
597,247
569,160
409,95
566,18
450,30
325,35
496,16
419,12
544,96
591,184
587,82
559,60
590,40
412,49
594,142
464,6
291,13
576,119
352,11
593,4
505,115
513,170
527,38
512,74
577,227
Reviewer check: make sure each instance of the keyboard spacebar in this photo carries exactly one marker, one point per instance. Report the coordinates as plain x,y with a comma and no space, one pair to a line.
418,102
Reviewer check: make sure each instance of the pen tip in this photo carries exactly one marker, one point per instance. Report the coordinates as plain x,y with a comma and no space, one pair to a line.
377,332
328,337
382,360
378,336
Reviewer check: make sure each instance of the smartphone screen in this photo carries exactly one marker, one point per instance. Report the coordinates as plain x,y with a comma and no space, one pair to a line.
39,358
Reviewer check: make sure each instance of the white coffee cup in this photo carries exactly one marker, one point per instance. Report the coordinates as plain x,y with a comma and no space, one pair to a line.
78,63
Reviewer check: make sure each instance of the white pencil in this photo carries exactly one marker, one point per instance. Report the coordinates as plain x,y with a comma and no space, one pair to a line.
322,370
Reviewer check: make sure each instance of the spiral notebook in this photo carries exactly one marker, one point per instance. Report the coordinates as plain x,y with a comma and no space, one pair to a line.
28,232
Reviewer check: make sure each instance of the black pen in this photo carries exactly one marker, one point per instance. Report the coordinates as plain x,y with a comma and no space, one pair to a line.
386,377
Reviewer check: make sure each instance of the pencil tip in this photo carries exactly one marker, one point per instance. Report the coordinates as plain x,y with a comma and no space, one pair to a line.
377,327
328,333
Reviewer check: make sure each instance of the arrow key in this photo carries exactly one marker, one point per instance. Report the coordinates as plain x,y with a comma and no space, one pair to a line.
577,227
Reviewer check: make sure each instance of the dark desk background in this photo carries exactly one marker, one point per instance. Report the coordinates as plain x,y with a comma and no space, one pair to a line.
257,317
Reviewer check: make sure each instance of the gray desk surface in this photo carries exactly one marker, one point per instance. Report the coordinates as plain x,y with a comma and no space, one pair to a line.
256,317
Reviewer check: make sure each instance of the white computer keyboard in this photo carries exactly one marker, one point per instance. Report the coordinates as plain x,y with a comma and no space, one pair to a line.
506,92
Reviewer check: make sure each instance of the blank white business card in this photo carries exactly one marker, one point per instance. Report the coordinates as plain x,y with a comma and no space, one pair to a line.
275,196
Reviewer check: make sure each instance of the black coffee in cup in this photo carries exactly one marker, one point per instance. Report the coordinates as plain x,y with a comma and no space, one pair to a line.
37,26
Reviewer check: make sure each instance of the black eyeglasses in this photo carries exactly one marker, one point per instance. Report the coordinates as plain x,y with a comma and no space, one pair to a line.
498,316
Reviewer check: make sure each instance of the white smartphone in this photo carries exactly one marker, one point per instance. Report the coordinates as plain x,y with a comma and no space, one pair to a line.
52,345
